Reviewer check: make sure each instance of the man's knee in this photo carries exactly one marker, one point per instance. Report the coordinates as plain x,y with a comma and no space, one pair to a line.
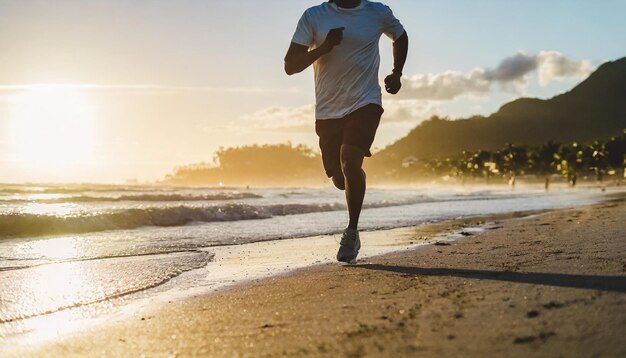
351,159
339,181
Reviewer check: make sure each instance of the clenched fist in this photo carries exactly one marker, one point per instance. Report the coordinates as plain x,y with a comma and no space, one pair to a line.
333,38
393,83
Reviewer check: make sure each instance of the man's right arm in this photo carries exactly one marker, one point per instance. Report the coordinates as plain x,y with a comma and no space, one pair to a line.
299,57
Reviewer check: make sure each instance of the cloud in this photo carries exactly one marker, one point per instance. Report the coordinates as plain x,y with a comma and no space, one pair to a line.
444,86
423,95
512,68
401,111
510,74
302,118
283,119
553,66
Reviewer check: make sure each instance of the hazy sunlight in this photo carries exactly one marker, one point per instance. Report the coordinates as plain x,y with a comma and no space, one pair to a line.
51,128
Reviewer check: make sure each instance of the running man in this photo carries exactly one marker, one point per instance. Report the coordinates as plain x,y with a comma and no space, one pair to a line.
340,38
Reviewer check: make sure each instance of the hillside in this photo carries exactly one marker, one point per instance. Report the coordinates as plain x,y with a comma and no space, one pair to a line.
594,109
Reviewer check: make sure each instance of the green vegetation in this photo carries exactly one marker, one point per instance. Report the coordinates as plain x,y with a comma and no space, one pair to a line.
284,164
595,109
281,164
521,139
596,160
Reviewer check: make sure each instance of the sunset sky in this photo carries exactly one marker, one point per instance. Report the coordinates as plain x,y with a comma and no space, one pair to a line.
105,91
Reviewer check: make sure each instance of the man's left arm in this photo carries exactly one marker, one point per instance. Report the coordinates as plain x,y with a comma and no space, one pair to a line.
393,82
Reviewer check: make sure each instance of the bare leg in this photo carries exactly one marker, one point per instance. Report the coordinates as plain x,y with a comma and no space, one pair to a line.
339,180
351,162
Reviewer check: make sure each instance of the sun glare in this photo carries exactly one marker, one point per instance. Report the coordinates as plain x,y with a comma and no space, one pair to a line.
51,128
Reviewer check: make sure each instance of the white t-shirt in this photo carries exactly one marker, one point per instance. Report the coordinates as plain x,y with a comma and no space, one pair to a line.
346,79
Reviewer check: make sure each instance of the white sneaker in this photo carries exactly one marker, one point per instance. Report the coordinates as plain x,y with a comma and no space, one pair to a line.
349,246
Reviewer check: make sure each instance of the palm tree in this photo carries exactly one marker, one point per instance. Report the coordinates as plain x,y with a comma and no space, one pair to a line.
545,159
599,162
465,166
571,162
514,160
615,150
496,164
481,160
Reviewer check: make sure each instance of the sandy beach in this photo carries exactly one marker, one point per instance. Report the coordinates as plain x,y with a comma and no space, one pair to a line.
550,284
300,179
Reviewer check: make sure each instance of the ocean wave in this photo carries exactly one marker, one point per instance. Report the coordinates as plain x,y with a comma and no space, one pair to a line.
24,224
138,197
18,224
73,189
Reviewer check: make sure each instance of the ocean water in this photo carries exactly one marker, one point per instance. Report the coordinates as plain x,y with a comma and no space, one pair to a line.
66,247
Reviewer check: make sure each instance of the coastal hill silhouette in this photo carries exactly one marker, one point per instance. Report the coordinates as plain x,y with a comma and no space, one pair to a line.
594,109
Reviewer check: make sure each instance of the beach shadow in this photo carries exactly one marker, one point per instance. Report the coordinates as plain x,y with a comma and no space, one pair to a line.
604,283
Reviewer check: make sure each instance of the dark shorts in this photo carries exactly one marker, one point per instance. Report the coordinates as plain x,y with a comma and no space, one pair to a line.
357,128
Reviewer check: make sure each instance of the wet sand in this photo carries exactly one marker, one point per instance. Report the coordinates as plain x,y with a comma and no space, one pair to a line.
552,284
